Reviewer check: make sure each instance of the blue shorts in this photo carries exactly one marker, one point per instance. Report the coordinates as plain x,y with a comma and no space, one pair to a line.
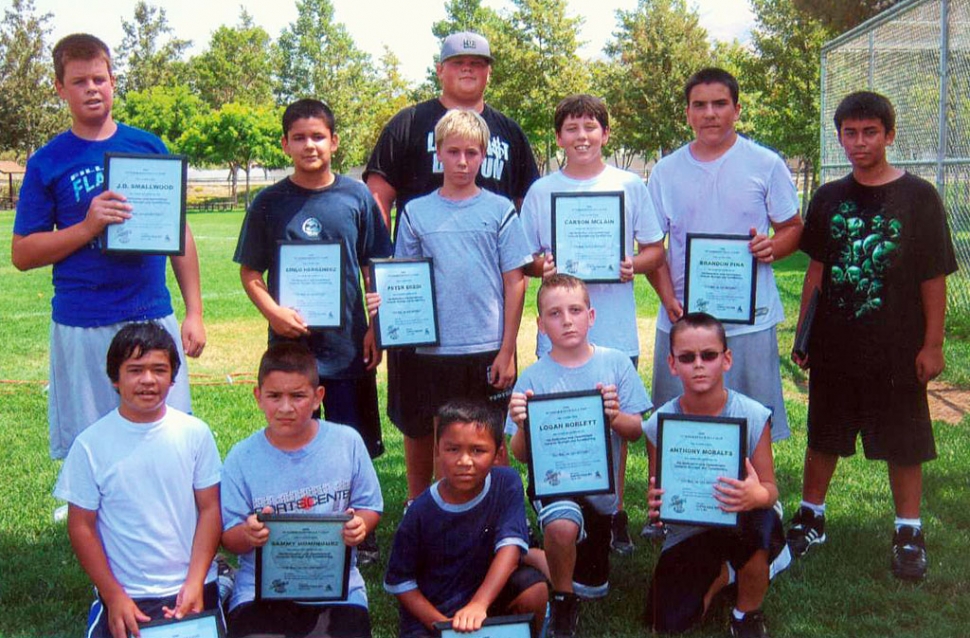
152,607
591,576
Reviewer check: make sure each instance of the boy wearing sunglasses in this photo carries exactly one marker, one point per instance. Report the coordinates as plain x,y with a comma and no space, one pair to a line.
697,562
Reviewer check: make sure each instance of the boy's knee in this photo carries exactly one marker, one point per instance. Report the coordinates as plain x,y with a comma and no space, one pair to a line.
561,531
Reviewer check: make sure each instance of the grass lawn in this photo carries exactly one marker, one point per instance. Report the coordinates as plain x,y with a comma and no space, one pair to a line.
843,589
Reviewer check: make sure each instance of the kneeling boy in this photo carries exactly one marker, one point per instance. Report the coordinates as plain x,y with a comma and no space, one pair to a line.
697,562
577,532
142,485
457,553
296,464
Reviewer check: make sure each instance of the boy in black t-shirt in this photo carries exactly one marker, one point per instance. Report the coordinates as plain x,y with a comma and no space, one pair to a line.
880,252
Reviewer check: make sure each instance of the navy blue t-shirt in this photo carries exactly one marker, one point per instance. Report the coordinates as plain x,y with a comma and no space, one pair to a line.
345,211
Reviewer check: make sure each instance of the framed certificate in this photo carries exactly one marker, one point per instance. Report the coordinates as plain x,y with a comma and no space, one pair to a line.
517,626
804,333
154,185
720,277
310,279
305,558
206,624
588,231
407,315
692,453
568,438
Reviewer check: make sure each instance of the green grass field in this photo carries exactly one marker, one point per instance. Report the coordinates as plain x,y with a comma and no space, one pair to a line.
843,589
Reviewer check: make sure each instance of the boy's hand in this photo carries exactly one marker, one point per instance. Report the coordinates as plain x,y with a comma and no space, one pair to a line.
193,335
626,269
611,400
741,496
188,601
761,246
503,371
354,530
929,363
287,322
518,410
674,309
373,301
255,530
372,354
548,266
107,208
802,362
124,616
654,501
469,618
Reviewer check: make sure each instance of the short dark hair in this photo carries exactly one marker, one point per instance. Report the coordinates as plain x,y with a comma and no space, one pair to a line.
864,105
561,280
697,320
478,413
288,356
134,340
580,105
306,109
78,46
712,75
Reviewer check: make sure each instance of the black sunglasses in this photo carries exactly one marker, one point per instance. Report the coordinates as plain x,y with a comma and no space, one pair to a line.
707,356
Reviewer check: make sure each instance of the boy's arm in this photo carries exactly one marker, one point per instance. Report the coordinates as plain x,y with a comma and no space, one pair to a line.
661,282
503,367
470,617
629,426
372,354
384,194
186,269
783,243
649,258
929,361
758,489
421,608
205,542
518,411
813,281
246,536
361,522
123,614
285,322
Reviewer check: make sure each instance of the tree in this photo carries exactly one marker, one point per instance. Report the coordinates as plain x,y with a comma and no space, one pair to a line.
237,67
842,15
166,111
148,55
237,136
654,50
393,93
29,109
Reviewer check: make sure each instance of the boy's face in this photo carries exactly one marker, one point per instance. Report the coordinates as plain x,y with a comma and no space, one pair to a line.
582,138
288,400
466,452
565,317
865,141
310,145
464,77
699,359
711,113
88,89
461,159
143,384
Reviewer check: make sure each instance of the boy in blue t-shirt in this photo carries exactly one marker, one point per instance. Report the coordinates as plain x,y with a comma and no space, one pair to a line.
457,553
697,562
577,531
296,464
62,212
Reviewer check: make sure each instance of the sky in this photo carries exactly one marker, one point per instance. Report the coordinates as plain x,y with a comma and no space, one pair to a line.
405,27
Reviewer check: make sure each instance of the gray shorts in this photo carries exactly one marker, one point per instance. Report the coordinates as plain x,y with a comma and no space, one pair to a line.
80,391
756,372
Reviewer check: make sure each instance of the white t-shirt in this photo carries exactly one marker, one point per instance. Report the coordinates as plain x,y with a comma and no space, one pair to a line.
616,319
141,479
747,187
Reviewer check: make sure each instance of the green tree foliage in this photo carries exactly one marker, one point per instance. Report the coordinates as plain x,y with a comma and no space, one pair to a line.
655,48
238,136
842,15
166,111
237,67
392,93
149,55
319,59
30,113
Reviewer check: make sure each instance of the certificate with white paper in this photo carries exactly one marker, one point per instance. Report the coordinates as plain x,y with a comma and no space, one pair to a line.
568,438
154,186
202,625
305,558
310,280
720,277
517,626
407,316
588,231
693,452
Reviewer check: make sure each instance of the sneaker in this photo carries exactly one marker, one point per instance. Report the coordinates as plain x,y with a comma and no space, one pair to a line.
653,533
368,552
621,543
60,513
804,530
226,580
751,626
909,554
563,615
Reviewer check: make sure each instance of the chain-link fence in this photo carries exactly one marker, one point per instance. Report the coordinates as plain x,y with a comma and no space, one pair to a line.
918,55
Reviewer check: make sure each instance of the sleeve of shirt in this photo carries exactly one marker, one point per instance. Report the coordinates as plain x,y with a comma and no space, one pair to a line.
208,467
812,242
936,244
782,196
390,153
655,192
365,491
372,238
36,206
513,247
402,566
512,528
650,429
531,215
252,249
646,228
237,500
629,387
77,483
408,244
526,171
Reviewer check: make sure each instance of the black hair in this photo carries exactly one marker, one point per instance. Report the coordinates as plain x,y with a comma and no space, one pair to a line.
712,75
864,105
482,415
697,320
134,340
581,105
306,109
288,356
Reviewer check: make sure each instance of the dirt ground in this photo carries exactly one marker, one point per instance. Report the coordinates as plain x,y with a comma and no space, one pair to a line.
948,403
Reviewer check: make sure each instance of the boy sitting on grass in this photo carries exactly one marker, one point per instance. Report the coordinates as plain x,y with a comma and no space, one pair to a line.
697,562
142,484
457,553
577,532
296,464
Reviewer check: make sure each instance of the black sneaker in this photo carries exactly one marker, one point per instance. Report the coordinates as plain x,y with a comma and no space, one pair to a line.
909,554
653,532
621,543
751,626
368,552
805,529
563,615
